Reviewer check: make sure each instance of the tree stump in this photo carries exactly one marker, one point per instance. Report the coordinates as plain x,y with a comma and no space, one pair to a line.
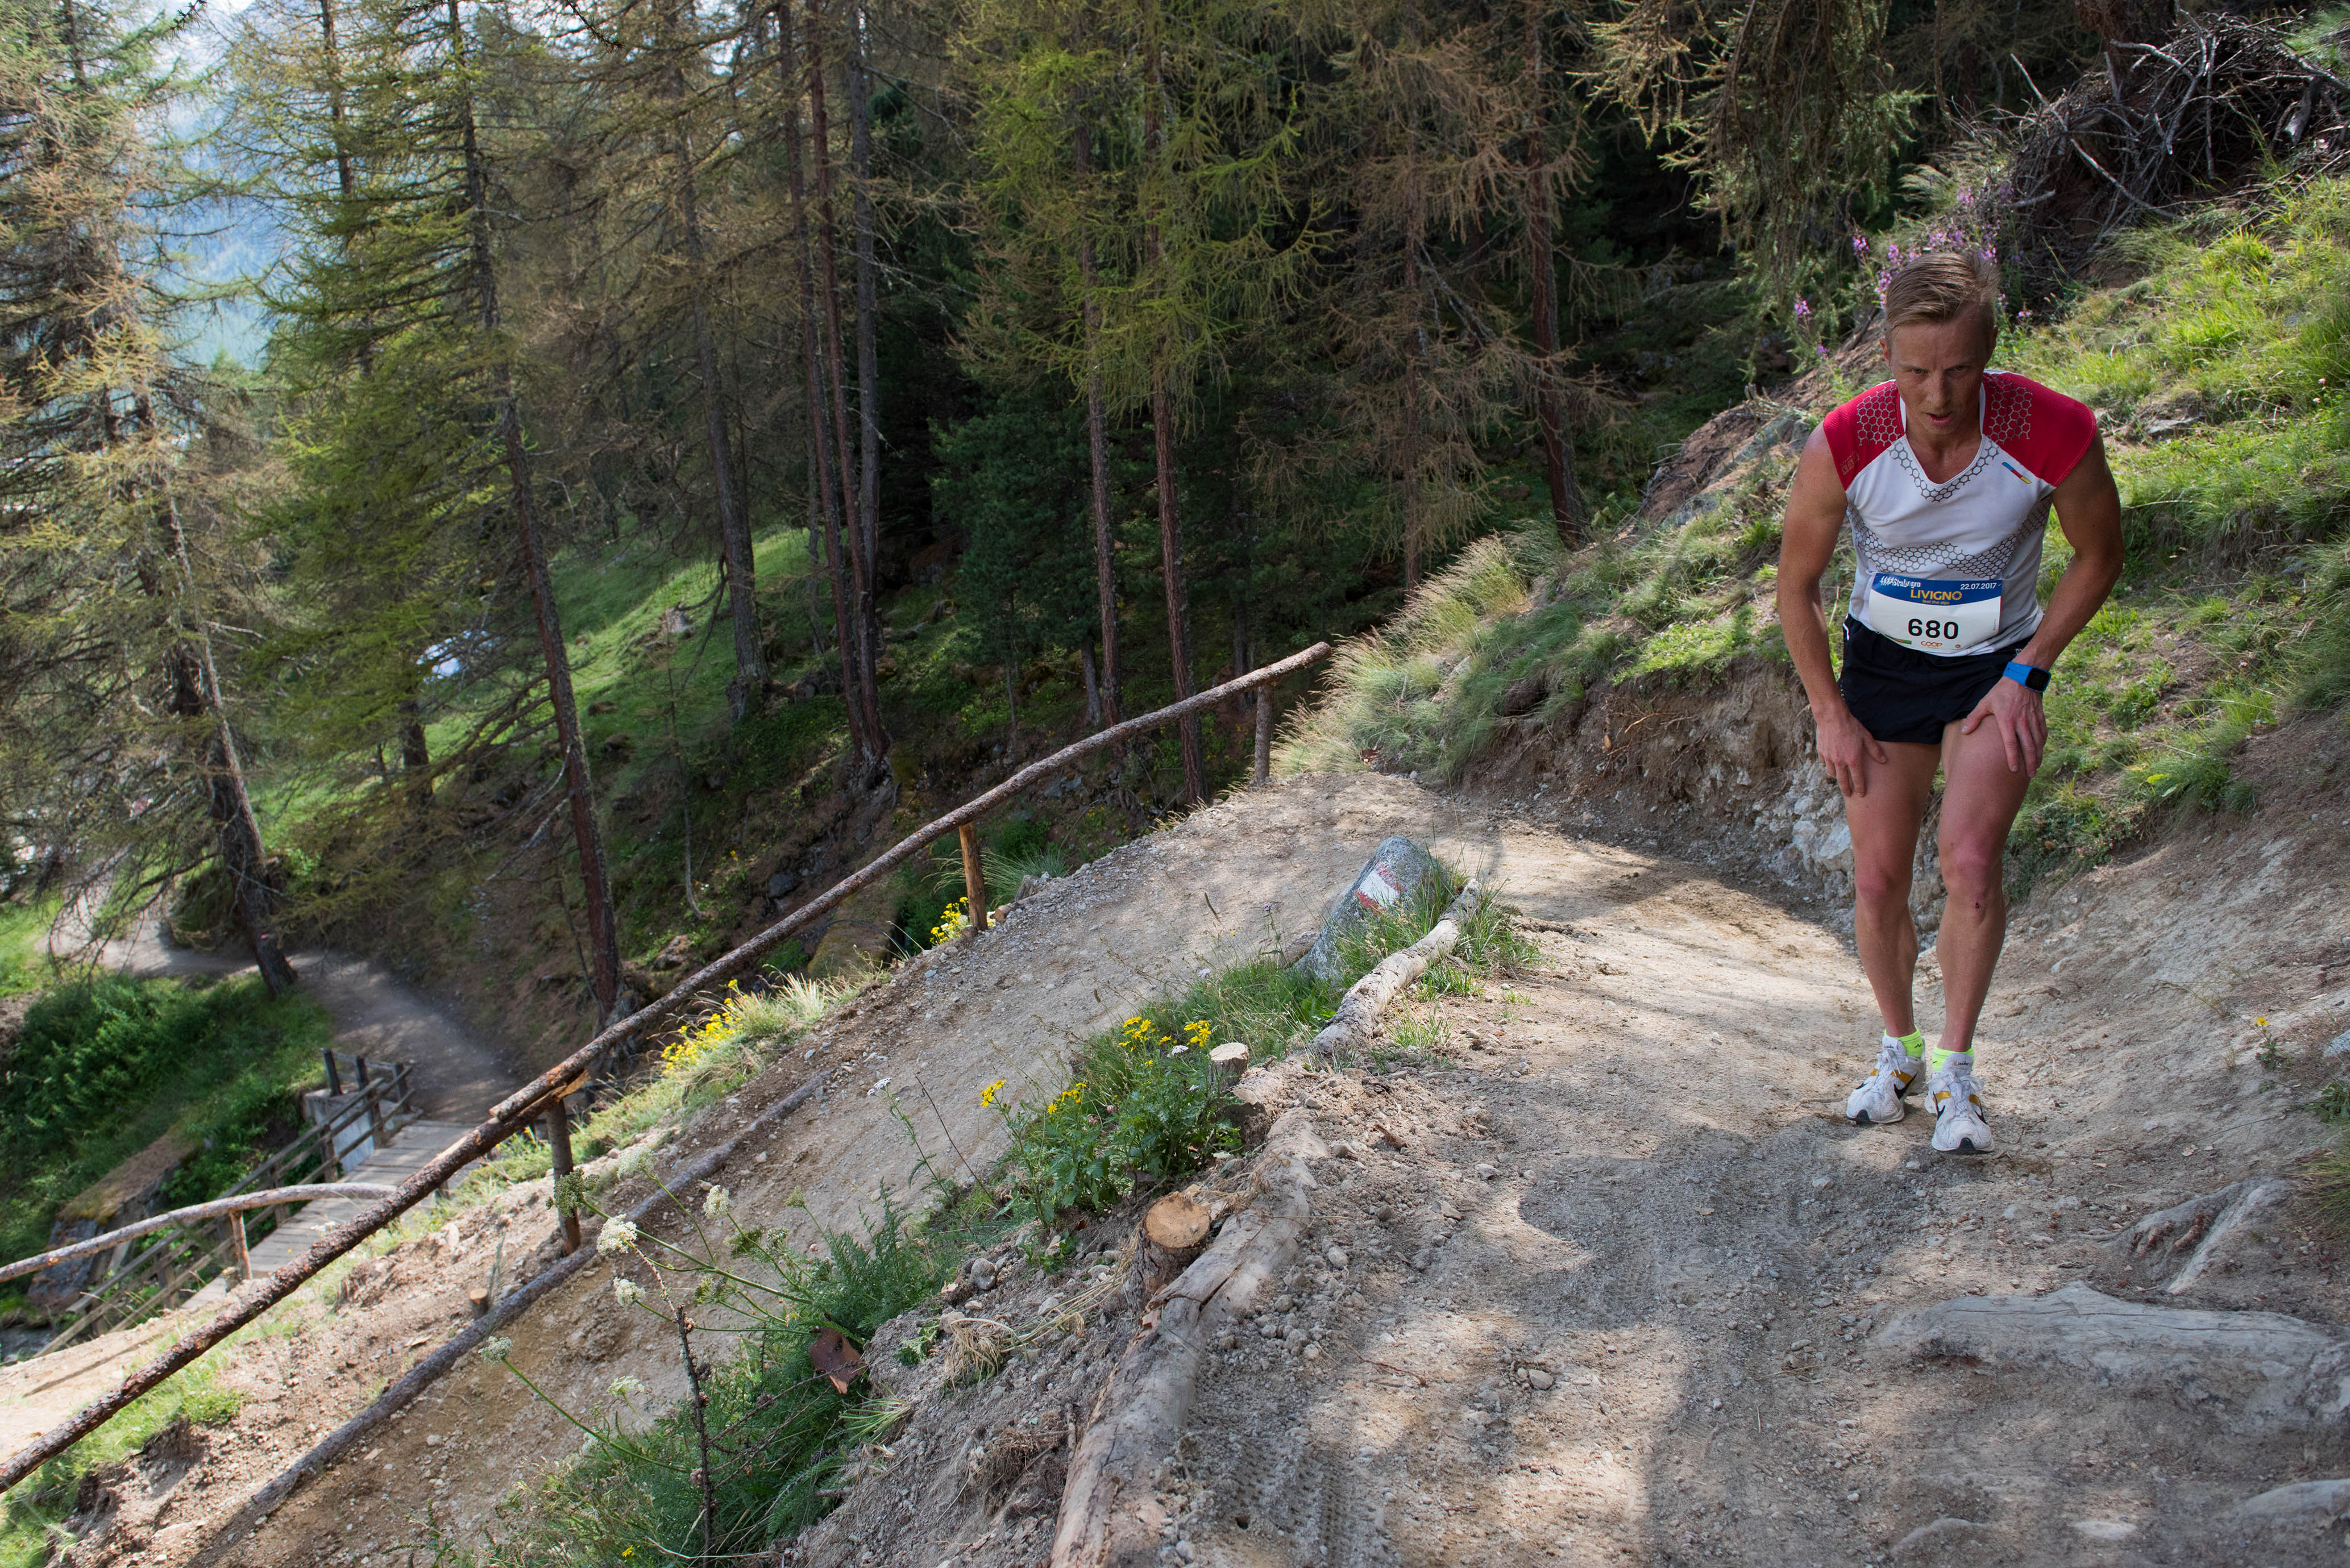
1174,1231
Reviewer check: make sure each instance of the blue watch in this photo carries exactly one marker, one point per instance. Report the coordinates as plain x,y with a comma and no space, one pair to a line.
2027,676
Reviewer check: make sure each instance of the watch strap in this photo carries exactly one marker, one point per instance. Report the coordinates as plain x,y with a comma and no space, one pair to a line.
2029,676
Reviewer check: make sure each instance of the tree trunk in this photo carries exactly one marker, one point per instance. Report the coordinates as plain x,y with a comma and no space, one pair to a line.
1097,443
346,176
868,362
196,699
1162,441
1409,457
814,533
1092,673
603,936
415,757
244,860
820,432
1565,497
861,619
747,690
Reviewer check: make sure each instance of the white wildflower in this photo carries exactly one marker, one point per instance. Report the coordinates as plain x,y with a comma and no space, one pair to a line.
627,1389
618,1236
627,1290
495,1347
719,1204
633,1160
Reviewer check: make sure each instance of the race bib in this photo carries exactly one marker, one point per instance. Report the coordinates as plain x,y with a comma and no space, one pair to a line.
1933,615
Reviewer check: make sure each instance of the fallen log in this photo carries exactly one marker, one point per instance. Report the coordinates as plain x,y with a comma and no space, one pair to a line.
1359,1010
1108,1516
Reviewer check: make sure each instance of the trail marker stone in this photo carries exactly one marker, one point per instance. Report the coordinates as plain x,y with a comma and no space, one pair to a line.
1396,872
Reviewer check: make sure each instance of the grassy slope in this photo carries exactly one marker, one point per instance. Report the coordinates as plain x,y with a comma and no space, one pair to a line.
103,1070
2217,366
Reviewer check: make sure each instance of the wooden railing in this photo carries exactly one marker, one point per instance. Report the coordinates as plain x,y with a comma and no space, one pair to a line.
162,1269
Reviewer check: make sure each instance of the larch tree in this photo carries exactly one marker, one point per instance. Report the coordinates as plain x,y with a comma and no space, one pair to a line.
426,450
121,757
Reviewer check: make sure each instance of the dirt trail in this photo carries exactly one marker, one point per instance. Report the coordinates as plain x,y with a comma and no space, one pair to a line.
1629,1177
375,1016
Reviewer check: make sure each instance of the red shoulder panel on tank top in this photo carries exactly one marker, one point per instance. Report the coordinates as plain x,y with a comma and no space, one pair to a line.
1859,431
2046,431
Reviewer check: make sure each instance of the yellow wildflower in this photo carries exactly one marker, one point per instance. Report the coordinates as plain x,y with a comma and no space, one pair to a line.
987,1095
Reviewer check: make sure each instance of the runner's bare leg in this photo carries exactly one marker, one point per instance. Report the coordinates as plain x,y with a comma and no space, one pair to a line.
1980,796
1885,824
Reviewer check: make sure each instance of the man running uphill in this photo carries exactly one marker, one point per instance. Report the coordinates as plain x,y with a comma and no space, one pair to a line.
1946,473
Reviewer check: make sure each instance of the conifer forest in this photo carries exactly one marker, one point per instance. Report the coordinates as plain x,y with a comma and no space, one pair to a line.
1131,342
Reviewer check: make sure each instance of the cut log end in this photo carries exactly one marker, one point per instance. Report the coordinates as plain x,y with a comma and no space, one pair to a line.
1173,1232
1176,1223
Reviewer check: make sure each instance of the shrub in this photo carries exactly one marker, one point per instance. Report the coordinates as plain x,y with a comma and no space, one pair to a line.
107,1066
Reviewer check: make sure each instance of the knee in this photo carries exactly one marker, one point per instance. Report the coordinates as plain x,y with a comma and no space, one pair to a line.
1880,886
1971,871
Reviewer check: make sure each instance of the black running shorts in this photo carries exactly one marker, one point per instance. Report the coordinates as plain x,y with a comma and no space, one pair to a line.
1904,697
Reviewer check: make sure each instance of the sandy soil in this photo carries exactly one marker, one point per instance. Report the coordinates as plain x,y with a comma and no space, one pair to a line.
1628,1179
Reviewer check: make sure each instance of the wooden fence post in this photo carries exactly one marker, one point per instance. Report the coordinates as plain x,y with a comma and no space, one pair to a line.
1263,733
558,1133
373,1092
238,1253
974,880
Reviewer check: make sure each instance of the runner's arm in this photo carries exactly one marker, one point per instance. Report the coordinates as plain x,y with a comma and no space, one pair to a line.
1807,541
2089,510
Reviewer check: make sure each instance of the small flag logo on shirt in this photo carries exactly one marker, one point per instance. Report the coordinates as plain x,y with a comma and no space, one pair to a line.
2015,471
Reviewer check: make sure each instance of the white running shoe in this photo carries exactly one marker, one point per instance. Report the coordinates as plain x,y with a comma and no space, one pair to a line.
1879,1098
1959,1124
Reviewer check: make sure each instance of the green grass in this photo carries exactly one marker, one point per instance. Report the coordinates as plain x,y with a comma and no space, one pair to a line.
105,1066
782,1437
2219,371
30,1520
23,945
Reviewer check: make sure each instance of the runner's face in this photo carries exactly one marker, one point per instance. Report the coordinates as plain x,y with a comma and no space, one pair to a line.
1939,368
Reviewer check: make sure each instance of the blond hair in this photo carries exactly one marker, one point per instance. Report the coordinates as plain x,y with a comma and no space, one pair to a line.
1944,285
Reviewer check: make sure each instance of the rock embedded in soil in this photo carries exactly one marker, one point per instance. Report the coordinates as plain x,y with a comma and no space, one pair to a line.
1395,876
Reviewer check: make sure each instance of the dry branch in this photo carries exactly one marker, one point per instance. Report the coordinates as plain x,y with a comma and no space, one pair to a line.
2220,96
518,1110
1365,1000
1107,1517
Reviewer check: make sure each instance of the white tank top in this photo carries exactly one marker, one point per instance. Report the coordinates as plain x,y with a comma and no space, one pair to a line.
1953,569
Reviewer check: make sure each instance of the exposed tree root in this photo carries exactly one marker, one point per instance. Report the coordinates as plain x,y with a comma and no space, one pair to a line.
2211,1219
1359,1011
